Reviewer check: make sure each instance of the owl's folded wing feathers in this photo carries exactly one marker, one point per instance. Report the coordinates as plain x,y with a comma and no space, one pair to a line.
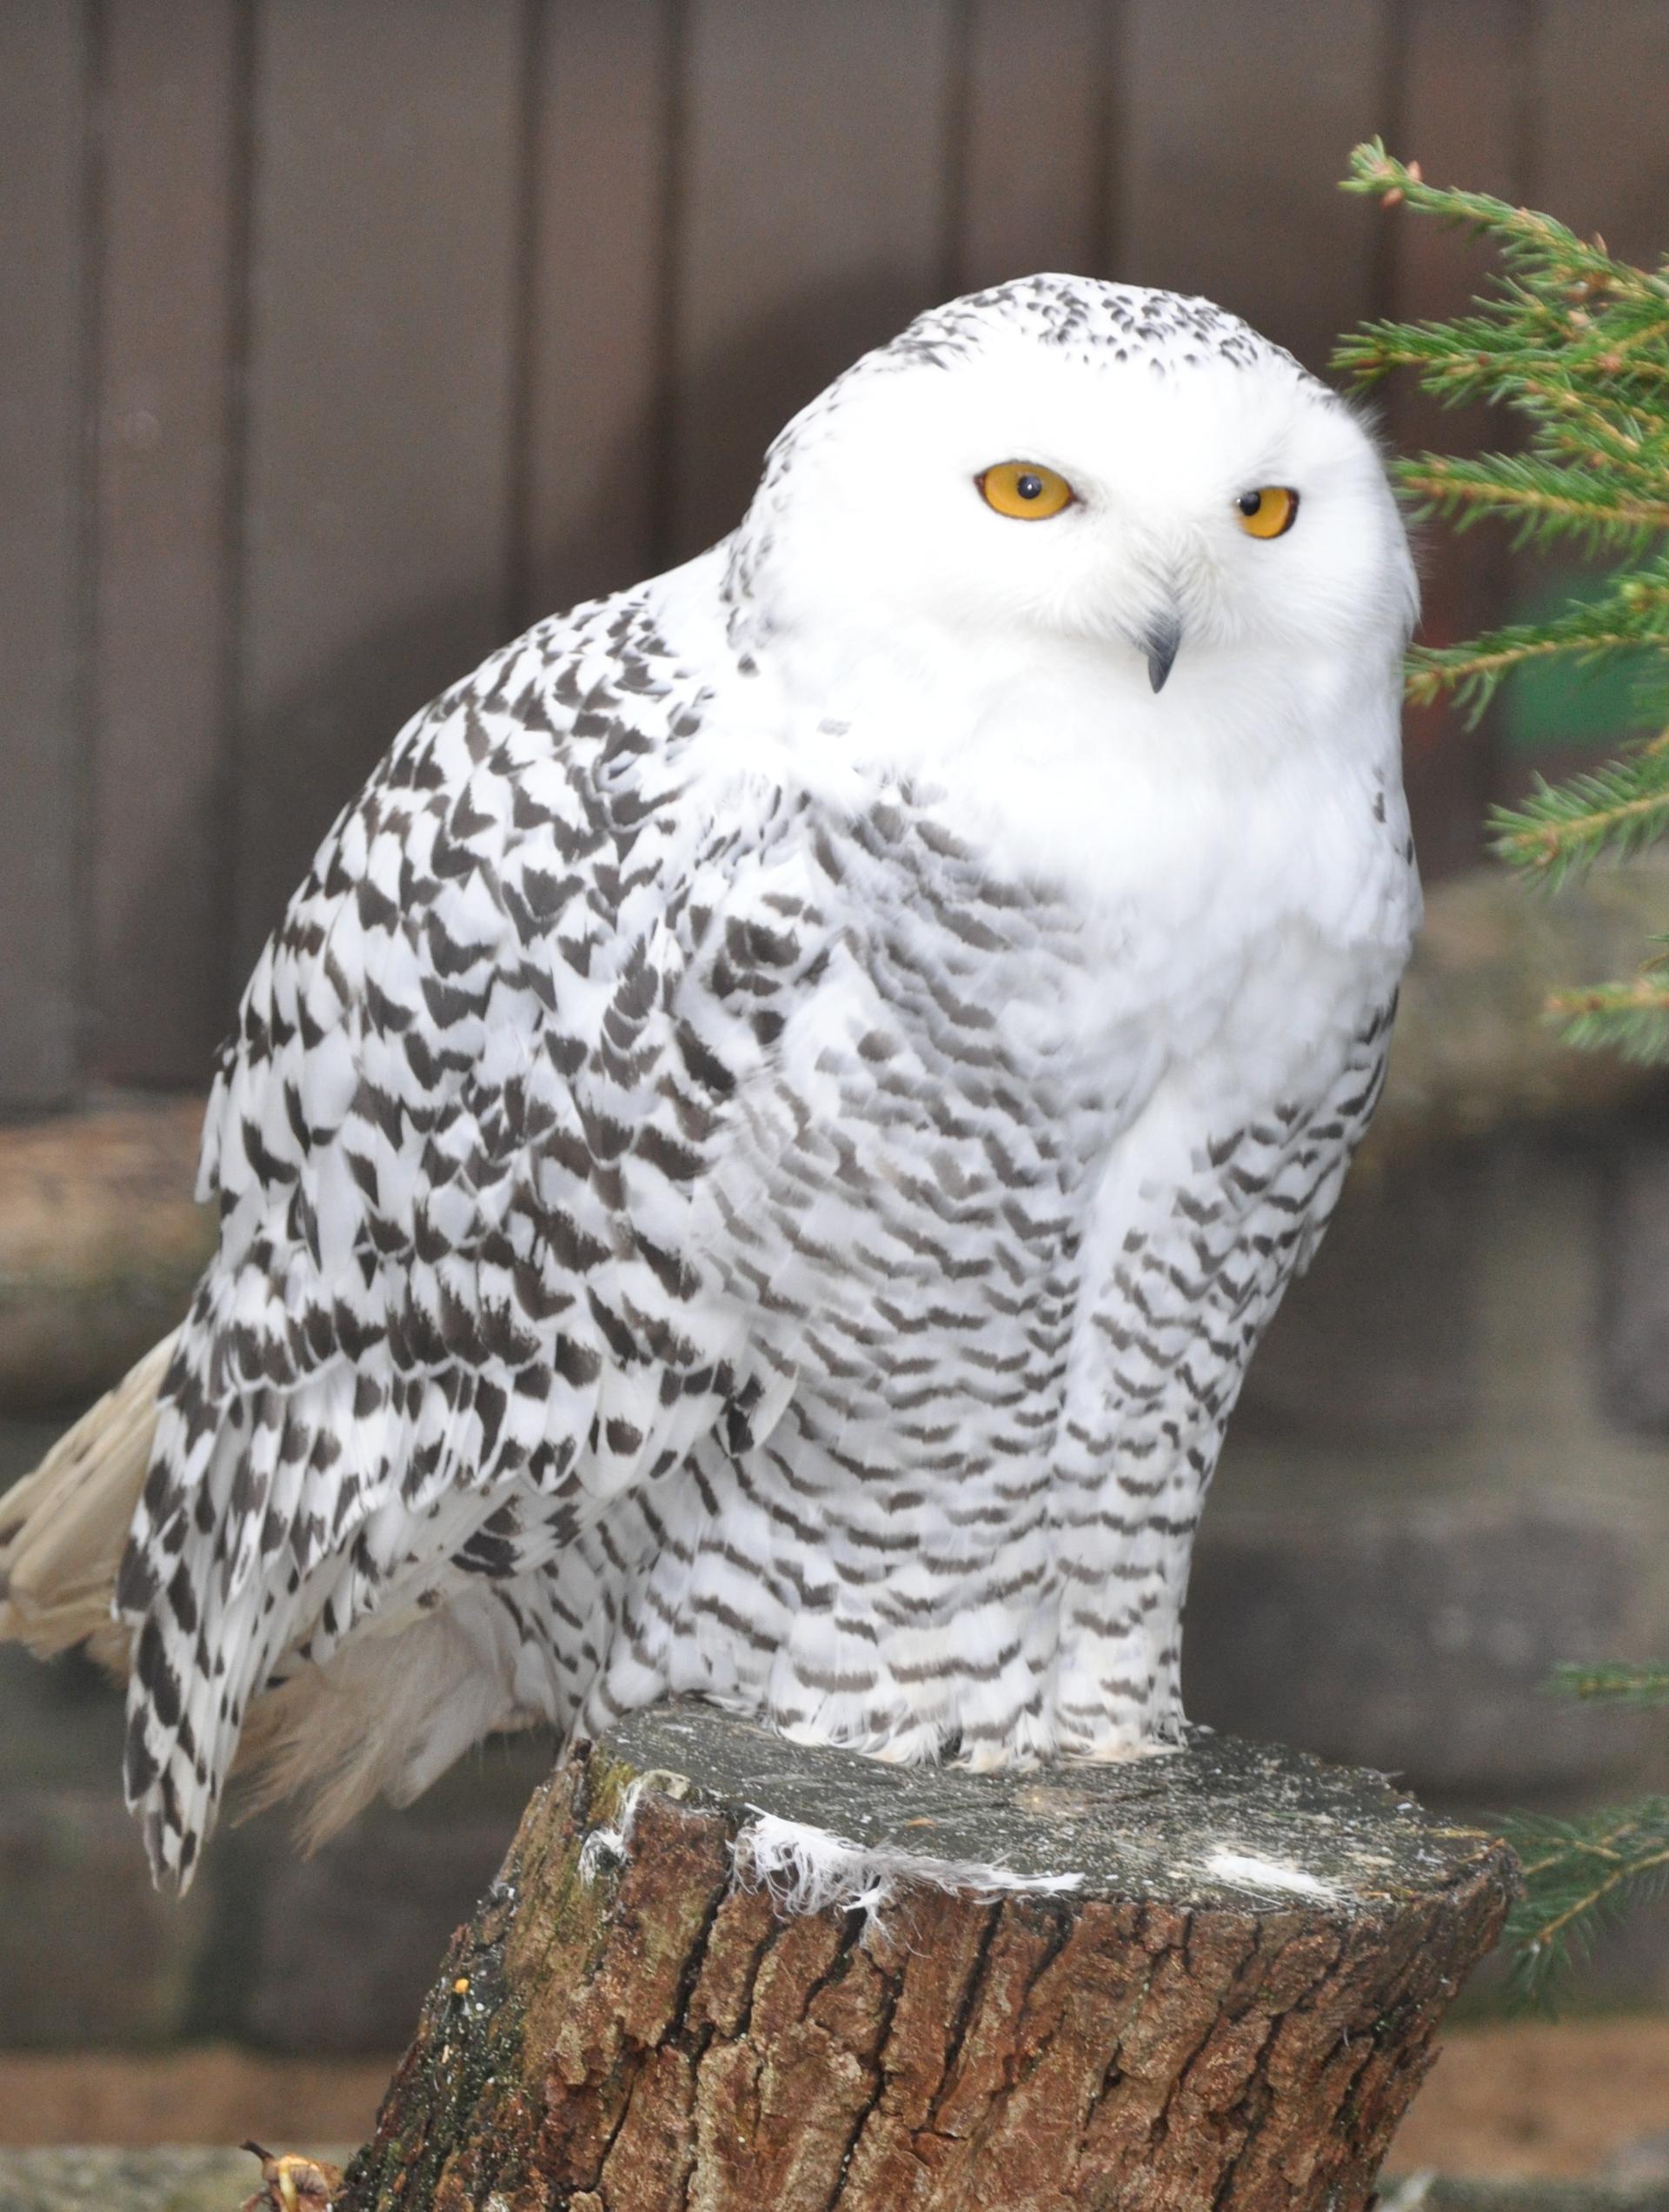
457,1304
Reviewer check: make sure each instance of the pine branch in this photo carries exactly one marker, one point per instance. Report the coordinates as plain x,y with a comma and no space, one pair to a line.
1522,346
1632,1019
1616,809
1614,1681
1574,340
1632,617
1545,501
1581,1876
1529,241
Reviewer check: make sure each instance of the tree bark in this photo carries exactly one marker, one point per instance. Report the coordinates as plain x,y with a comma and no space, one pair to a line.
1209,1979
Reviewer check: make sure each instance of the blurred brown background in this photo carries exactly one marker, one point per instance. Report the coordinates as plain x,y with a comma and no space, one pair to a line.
341,338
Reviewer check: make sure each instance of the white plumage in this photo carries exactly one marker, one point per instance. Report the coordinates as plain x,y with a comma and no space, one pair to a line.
760,1153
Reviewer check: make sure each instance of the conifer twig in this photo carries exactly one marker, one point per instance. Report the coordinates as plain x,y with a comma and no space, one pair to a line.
1616,809
1579,1877
1613,1681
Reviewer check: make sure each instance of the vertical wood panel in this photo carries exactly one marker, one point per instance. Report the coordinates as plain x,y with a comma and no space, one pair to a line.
1601,114
1031,161
43,67
596,378
1459,115
159,980
1233,126
815,210
385,233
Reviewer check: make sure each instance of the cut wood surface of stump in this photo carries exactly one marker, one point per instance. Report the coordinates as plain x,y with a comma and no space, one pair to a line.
720,1972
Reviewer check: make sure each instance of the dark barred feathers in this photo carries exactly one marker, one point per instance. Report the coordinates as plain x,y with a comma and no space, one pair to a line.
757,1157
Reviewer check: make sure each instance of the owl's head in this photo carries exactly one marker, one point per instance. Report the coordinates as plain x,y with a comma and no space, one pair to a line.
1061,462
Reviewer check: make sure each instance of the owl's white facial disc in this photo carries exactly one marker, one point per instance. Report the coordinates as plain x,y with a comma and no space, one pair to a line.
1162,415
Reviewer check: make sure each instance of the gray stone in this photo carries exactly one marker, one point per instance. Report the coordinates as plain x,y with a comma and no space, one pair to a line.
100,1243
1433,2193
348,1941
1379,1340
60,1726
1634,1259
1644,2159
1470,1052
1416,1641
88,1952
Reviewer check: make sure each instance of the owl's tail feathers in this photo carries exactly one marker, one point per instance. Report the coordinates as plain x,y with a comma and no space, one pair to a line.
62,1528
385,1716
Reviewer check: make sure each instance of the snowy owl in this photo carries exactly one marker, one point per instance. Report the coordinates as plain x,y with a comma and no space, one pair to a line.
758,1157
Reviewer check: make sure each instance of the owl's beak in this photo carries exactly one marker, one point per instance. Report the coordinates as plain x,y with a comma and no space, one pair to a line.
1159,642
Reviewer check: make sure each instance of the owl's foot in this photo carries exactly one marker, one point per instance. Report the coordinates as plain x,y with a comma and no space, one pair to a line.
1116,1754
912,1743
1101,1738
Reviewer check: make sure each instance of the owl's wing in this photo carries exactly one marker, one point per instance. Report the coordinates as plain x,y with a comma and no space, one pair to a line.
454,1307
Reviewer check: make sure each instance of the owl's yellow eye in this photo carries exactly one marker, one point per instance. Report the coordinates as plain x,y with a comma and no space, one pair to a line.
1269,512
1025,489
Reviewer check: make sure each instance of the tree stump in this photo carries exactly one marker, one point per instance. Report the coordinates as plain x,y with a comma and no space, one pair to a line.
722,1973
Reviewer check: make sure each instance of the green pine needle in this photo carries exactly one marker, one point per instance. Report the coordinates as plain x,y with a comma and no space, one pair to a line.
1632,1019
1614,1681
1616,809
1581,1876
1630,616
1544,502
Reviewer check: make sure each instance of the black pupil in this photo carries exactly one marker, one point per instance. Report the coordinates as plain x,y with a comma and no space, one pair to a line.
1029,487
1250,502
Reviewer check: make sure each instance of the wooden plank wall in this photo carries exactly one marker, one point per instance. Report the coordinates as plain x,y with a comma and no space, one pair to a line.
164,472
357,332
381,389
46,204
